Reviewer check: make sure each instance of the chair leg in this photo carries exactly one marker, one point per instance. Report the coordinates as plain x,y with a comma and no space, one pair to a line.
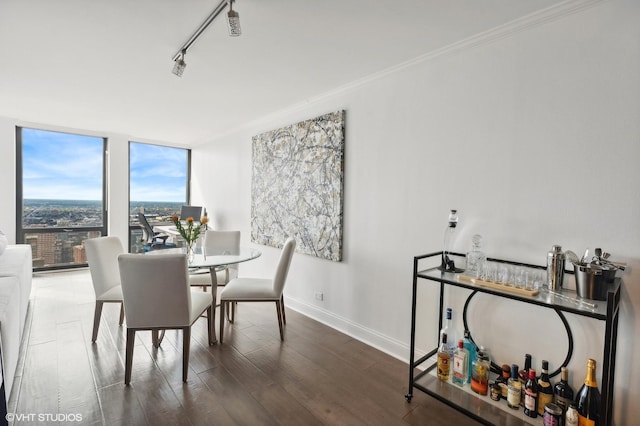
96,320
214,302
279,312
211,328
231,314
186,342
154,338
284,317
121,313
131,338
222,305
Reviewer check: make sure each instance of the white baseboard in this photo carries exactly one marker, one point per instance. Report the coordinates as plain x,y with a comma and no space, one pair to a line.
386,344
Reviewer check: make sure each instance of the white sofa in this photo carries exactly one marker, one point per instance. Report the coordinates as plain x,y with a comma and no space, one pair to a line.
15,290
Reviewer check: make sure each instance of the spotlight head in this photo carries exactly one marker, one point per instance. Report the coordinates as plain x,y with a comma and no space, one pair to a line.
233,22
180,65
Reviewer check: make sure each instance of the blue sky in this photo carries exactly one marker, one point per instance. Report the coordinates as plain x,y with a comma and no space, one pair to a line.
62,166
157,173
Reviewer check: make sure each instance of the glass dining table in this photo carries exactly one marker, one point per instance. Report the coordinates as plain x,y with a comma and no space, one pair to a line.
214,261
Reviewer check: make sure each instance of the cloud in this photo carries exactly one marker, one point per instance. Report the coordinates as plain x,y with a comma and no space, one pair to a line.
69,167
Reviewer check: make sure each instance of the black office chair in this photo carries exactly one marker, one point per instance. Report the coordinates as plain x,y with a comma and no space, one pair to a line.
152,240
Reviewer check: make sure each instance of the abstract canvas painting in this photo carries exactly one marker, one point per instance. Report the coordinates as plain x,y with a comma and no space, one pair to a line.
297,185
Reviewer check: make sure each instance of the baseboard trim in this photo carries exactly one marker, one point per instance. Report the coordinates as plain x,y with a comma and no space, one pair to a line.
373,338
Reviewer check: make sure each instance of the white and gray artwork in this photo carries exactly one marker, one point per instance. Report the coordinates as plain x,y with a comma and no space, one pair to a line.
297,186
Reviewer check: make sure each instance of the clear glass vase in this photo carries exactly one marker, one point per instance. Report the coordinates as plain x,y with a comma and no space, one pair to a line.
191,247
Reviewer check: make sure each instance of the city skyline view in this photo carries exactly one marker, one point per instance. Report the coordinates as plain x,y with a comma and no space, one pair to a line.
62,178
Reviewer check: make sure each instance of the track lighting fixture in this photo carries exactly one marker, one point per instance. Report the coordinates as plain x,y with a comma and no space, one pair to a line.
233,21
180,64
233,24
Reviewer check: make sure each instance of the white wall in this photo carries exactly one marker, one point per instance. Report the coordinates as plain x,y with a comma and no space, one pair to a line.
533,137
8,179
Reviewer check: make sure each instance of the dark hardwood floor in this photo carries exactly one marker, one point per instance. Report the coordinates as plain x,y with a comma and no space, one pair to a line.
316,376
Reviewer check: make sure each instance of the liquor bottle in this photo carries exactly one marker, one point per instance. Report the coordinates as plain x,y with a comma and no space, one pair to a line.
531,395
480,373
514,391
588,399
545,390
571,416
460,365
487,355
523,376
444,359
473,352
448,330
502,380
563,393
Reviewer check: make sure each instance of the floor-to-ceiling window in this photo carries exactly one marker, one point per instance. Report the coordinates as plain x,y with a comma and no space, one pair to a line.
60,195
158,186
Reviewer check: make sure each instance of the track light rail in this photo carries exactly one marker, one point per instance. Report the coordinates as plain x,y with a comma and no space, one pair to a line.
219,8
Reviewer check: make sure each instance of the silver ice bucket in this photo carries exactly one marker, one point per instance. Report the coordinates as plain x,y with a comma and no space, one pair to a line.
593,283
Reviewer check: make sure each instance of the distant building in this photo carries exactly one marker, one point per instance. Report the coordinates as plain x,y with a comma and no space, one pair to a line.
79,254
47,248
32,240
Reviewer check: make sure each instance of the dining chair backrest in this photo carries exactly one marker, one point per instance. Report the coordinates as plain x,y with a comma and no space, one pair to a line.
155,290
221,241
102,257
283,265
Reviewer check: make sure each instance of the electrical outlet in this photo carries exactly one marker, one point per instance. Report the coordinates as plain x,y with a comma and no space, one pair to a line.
319,295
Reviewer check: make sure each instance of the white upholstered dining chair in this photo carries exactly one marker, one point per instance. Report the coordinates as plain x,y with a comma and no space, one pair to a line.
157,296
261,289
218,242
102,256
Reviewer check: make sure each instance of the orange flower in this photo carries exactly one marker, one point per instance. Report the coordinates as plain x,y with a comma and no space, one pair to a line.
190,231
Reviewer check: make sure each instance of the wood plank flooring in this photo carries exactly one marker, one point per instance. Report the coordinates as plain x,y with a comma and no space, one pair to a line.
317,376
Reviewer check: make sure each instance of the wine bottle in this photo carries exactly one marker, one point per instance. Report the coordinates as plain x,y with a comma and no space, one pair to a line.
523,376
562,391
588,399
531,395
545,391
444,359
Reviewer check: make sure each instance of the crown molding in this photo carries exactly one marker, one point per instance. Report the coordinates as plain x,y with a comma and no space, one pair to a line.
524,23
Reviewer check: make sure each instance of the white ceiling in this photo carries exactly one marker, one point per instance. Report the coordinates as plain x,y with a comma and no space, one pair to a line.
105,66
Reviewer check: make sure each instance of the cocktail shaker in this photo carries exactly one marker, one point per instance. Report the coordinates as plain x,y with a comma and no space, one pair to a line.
555,268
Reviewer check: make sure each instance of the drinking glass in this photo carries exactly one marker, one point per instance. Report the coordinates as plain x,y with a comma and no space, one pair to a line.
504,274
531,278
520,277
541,279
489,272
